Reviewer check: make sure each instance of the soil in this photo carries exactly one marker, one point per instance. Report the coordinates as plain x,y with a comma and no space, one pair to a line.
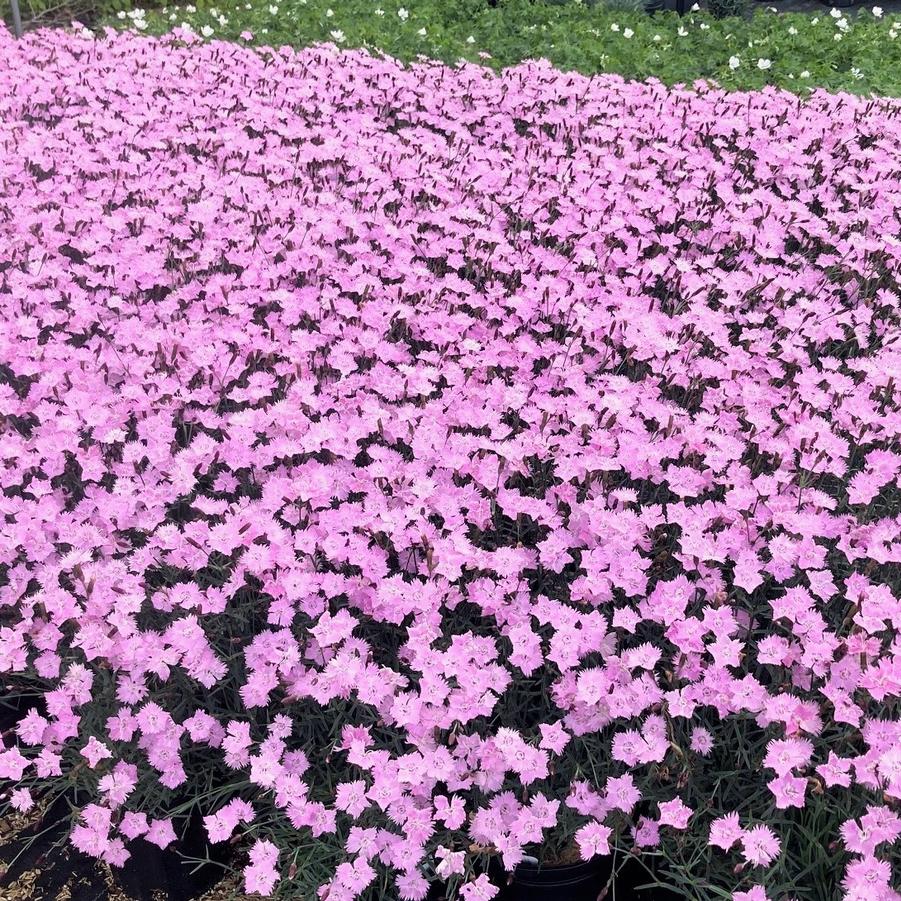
38,864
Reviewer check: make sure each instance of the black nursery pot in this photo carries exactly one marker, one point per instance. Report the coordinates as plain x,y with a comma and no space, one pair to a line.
570,882
151,872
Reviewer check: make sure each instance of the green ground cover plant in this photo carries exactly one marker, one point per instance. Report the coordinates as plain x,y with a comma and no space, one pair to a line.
857,52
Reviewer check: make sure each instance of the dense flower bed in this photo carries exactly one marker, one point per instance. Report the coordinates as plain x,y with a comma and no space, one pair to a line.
403,465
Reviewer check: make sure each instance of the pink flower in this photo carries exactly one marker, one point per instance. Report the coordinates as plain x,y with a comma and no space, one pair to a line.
134,824
21,800
646,833
621,793
785,755
351,797
882,823
118,785
116,853
867,877
527,762
161,833
755,893
412,886
593,840
450,812
201,726
554,737
674,813
95,751
788,791
31,728
480,889
355,876
836,770
701,741
725,831
449,862
13,764
260,875
91,836
760,845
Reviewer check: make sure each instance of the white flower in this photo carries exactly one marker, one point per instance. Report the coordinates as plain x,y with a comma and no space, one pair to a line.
421,32
734,62
835,13
682,32
190,8
694,8
814,20
206,31
877,12
792,29
337,36
140,24
273,10
404,15
804,74
627,32
764,64
704,26
380,12
856,72
329,13
470,40
657,38
120,14
614,27
836,37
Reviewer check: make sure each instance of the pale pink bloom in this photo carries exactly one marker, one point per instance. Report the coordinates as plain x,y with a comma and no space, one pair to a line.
760,845
725,831
674,813
593,840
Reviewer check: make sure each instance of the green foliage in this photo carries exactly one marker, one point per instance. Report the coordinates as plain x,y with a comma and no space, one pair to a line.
859,53
721,9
